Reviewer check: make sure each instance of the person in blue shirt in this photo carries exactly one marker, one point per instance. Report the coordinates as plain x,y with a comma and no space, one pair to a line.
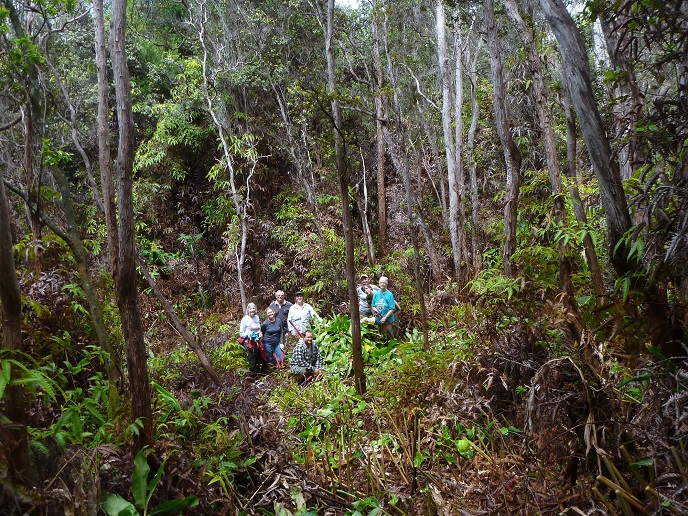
383,307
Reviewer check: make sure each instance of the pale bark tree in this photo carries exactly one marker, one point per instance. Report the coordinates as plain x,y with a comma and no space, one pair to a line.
512,155
18,465
125,278
477,257
448,113
363,202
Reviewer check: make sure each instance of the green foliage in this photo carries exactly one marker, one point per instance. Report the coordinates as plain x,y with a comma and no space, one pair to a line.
84,417
142,490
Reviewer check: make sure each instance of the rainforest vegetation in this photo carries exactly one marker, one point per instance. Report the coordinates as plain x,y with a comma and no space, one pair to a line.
518,169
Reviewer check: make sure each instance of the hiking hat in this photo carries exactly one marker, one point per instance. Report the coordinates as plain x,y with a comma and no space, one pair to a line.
298,293
363,276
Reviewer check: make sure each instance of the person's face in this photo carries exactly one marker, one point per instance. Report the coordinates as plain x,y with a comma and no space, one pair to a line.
299,300
383,285
308,338
270,313
280,297
251,311
365,281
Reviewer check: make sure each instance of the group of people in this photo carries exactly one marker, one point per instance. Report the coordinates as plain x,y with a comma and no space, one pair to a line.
267,341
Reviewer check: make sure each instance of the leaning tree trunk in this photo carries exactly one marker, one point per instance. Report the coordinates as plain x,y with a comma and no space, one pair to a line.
125,281
10,308
357,350
577,74
512,155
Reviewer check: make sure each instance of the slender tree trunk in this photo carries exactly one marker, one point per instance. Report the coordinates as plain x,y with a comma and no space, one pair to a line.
342,175
240,205
177,323
126,289
449,144
512,155
460,179
107,182
540,94
573,171
400,160
18,465
380,119
470,158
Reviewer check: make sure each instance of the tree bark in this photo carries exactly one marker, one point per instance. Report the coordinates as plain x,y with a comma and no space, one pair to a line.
477,257
573,171
577,75
380,118
125,284
10,308
449,143
342,176
107,182
512,155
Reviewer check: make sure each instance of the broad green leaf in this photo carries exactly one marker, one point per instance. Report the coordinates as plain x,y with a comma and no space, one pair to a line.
115,505
139,480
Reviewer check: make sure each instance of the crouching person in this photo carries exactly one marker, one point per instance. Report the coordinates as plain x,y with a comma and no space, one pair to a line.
306,362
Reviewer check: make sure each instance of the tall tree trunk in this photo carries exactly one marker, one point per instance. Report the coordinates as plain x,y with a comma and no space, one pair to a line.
477,257
342,176
107,182
553,167
10,309
573,171
512,155
125,283
380,119
449,144
577,75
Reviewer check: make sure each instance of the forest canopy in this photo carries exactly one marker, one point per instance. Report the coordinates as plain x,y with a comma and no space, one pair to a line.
517,169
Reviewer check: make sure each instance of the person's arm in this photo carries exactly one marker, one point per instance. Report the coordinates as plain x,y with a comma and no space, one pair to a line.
315,315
